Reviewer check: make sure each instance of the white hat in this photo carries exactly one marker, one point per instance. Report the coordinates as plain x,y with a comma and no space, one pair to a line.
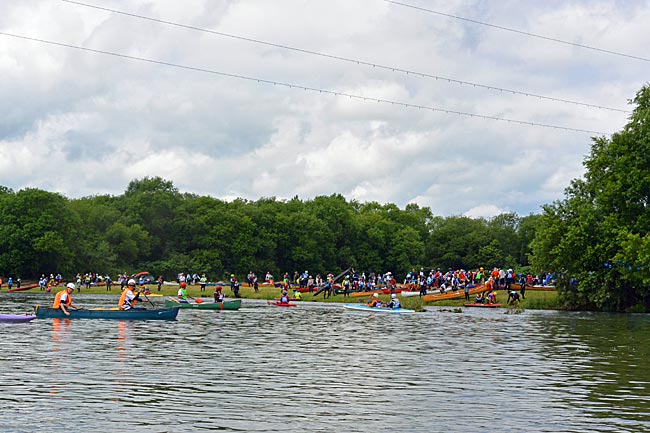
376,295
393,296
131,281
70,286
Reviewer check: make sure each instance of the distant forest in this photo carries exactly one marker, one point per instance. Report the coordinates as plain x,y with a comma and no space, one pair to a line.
154,227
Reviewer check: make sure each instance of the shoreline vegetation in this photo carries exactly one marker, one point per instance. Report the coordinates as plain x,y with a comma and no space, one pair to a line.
535,300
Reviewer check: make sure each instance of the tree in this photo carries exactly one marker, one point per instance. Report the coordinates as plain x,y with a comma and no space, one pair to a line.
596,239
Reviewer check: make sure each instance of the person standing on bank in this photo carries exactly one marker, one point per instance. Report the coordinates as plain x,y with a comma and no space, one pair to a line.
63,299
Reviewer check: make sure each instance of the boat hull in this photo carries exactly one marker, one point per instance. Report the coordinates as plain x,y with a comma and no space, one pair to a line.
226,305
484,305
453,295
16,318
109,314
359,307
27,287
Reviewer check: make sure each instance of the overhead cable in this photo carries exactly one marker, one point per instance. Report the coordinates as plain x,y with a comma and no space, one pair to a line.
301,87
521,32
345,59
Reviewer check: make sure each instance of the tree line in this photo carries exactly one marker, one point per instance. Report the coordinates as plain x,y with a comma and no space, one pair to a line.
154,227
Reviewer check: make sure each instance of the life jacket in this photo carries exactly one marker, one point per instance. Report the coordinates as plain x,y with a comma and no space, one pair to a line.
124,301
57,299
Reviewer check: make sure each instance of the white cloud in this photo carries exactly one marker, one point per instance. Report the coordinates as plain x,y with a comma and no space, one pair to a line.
100,121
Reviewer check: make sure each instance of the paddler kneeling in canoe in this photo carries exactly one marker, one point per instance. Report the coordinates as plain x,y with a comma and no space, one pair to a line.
218,296
375,302
394,302
284,297
130,296
63,299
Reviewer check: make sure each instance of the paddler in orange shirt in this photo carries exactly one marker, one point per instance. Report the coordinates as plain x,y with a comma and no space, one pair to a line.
375,302
63,299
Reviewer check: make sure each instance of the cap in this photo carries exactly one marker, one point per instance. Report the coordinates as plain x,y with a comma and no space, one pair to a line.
183,284
393,296
70,286
376,295
131,282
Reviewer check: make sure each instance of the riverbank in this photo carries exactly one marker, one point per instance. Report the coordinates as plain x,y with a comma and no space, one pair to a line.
535,300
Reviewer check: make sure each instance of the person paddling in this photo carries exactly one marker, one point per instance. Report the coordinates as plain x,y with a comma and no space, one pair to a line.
129,296
394,302
182,293
375,302
218,296
63,299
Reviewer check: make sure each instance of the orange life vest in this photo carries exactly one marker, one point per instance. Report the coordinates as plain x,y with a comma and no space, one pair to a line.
57,299
123,300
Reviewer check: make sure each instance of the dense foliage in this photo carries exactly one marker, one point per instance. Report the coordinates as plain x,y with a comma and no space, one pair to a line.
154,227
598,236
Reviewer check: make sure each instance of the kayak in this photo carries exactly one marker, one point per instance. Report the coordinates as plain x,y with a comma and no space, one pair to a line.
281,304
102,313
361,307
27,287
517,286
484,305
417,293
16,318
226,305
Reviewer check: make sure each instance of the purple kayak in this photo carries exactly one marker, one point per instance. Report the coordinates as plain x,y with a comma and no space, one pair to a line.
16,318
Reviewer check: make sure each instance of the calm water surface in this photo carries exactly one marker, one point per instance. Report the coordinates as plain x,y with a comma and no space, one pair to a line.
319,367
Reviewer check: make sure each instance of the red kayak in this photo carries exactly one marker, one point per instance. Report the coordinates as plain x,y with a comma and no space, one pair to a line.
281,304
484,305
27,287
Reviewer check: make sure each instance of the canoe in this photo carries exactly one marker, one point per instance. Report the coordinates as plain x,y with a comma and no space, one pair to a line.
369,293
16,318
484,305
226,305
27,287
281,304
361,307
417,293
101,313
517,286
453,295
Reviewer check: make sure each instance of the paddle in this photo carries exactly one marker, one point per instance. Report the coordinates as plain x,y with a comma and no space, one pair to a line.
149,300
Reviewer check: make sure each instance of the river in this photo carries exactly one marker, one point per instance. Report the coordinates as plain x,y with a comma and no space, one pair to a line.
321,368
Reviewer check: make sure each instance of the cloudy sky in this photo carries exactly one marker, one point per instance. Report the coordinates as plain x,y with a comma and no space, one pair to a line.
81,122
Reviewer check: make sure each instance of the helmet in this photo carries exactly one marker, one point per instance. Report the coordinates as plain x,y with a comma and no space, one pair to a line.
183,284
376,295
131,282
393,296
70,286
232,275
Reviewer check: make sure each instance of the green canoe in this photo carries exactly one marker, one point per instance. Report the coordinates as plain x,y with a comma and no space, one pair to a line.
112,313
225,305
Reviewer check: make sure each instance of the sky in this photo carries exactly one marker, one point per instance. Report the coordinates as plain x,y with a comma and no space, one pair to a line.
180,99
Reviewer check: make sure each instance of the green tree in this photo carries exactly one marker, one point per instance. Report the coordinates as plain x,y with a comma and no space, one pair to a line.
596,239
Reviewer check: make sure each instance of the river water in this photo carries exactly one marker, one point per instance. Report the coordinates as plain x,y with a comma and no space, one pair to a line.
322,368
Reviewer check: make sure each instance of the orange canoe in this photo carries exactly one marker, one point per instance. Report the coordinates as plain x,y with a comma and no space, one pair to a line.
453,295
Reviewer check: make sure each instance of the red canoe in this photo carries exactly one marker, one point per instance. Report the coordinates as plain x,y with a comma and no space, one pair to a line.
281,304
27,287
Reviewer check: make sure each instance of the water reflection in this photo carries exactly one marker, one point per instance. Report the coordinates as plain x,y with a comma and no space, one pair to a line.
322,368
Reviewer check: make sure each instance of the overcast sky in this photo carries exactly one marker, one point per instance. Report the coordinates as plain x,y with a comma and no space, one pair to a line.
83,123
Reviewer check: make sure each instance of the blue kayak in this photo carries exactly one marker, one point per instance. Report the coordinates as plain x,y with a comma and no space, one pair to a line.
362,307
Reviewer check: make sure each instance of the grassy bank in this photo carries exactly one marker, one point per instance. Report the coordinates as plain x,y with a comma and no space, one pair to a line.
535,300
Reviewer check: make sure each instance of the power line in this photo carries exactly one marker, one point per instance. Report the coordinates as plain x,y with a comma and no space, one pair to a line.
521,32
345,59
311,89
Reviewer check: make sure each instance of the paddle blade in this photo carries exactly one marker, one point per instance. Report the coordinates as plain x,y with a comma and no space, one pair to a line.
199,300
